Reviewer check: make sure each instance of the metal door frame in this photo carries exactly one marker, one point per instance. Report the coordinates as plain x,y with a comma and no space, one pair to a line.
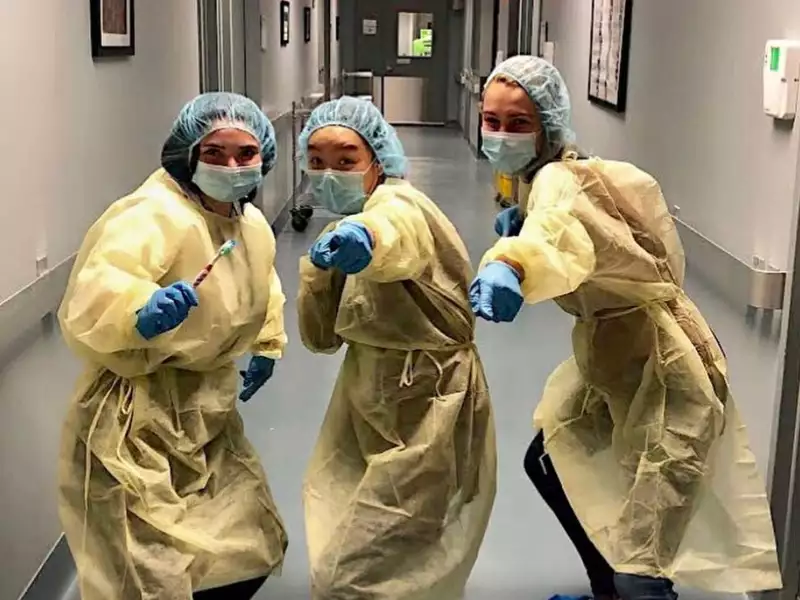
216,37
784,472
525,30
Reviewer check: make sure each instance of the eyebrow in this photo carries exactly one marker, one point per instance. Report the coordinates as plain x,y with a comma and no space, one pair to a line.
340,145
223,147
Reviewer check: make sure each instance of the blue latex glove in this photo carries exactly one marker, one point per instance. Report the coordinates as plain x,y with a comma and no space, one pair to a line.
166,309
258,373
495,294
509,222
348,248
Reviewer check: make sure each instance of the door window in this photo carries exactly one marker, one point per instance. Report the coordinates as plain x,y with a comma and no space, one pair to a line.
414,35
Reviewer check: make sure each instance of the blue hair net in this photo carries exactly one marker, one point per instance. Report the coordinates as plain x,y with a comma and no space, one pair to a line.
364,118
208,113
547,90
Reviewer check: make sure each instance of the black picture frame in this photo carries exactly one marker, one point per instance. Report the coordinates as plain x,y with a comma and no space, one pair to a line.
337,28
285,22
307,24
597,91
104,44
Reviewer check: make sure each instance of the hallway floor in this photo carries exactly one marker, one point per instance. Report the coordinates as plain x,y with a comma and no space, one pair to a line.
525,554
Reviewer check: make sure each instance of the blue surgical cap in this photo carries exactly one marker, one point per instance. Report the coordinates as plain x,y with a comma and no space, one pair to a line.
548,91
364,118
208,113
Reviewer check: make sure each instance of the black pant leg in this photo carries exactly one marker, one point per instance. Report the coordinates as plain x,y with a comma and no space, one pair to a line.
243,590
542,474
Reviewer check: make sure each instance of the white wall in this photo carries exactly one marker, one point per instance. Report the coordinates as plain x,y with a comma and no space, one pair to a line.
469,30
694,115
292,71
485,11
279,75
77,134
503,17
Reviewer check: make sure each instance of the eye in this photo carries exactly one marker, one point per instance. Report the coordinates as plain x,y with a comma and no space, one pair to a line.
521,125
248,154
210,152
315,162
491,123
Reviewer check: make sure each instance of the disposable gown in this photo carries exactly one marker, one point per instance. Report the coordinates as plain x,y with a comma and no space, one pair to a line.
640,423
402,480
160,491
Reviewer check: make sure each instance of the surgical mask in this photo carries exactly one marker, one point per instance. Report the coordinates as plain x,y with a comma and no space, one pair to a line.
509,153
341,192
227,184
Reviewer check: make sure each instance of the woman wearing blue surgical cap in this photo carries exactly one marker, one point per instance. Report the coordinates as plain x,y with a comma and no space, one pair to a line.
402,479
642,454
161,494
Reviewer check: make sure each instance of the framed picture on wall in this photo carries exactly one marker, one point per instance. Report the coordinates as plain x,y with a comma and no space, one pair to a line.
284,22
337,28
307,24
609,53
113,28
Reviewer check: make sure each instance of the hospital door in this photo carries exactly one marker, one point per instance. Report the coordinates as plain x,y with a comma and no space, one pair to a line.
404,44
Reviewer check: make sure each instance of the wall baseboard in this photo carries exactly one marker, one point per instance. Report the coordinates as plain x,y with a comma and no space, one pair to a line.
55,577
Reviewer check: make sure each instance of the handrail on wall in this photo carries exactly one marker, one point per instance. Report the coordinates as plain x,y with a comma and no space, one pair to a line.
765,287
34,302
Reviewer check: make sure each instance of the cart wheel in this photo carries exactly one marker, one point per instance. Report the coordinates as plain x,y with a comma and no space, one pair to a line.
299,223
306,211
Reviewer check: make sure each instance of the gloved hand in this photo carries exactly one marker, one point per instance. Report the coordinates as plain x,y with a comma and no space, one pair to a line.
258,373
348,248
495,294
509,222
166,309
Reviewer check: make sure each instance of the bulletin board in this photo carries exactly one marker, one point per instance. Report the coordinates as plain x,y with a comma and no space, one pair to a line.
609,53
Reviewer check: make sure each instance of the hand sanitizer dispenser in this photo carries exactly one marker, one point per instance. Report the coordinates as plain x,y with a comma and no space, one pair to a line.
781,78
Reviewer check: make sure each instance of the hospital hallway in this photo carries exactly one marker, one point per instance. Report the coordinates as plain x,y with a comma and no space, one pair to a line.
525,553
119,104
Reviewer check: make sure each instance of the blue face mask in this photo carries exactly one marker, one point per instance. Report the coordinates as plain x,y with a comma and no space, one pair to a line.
509,153
341,192
227,184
